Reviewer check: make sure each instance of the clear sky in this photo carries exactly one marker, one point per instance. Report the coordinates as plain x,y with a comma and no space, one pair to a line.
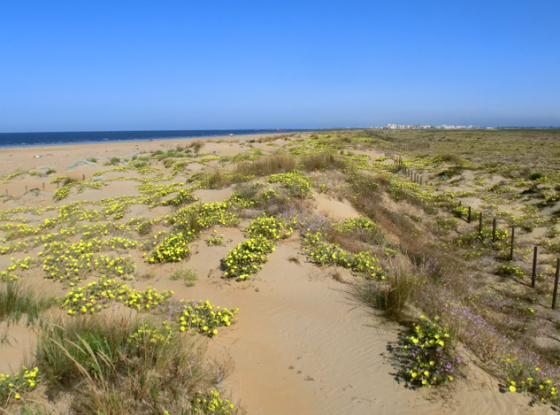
142,65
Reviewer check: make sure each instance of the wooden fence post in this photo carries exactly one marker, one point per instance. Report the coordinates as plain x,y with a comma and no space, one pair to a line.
512,243
494,223
480,224
555,294
469,217
534,276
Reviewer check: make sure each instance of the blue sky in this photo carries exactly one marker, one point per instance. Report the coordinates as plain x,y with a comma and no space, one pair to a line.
143,65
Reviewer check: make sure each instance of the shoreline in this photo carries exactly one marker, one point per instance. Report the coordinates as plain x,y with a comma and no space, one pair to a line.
150,139
58,157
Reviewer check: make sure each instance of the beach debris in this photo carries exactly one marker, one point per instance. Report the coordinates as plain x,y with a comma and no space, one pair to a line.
79,162
46,167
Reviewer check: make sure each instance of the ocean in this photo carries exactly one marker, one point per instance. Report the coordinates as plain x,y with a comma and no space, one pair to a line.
8,140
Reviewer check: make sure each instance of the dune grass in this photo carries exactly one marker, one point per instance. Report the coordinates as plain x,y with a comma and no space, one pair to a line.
17,300
265,166
390,296
125,365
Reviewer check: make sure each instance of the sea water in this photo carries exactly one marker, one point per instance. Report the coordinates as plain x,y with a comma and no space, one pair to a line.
89,137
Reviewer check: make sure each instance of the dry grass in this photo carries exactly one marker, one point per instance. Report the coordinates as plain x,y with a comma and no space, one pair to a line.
93,361
322,161
264,166
389,297
195,146
216,179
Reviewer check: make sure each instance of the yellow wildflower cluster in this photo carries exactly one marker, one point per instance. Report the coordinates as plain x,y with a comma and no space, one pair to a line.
13,386
323,253
149,299
70,265
429,363
270,227
96,296
174,248
247,258
207,215
294,182
146,336
211,403
23,264
204,317
350,225
183,197
530,379
74,261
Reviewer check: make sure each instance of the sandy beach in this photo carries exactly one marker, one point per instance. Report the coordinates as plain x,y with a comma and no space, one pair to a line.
302,344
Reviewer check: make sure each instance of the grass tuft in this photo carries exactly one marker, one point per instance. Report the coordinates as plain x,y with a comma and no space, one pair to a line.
17,300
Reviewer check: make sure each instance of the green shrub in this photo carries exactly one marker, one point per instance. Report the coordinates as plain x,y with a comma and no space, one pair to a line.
536,176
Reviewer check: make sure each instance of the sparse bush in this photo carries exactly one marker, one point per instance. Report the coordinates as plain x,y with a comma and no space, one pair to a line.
444,225
187,275
196,146
452,158
139,164
144,228
113,161
215,240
